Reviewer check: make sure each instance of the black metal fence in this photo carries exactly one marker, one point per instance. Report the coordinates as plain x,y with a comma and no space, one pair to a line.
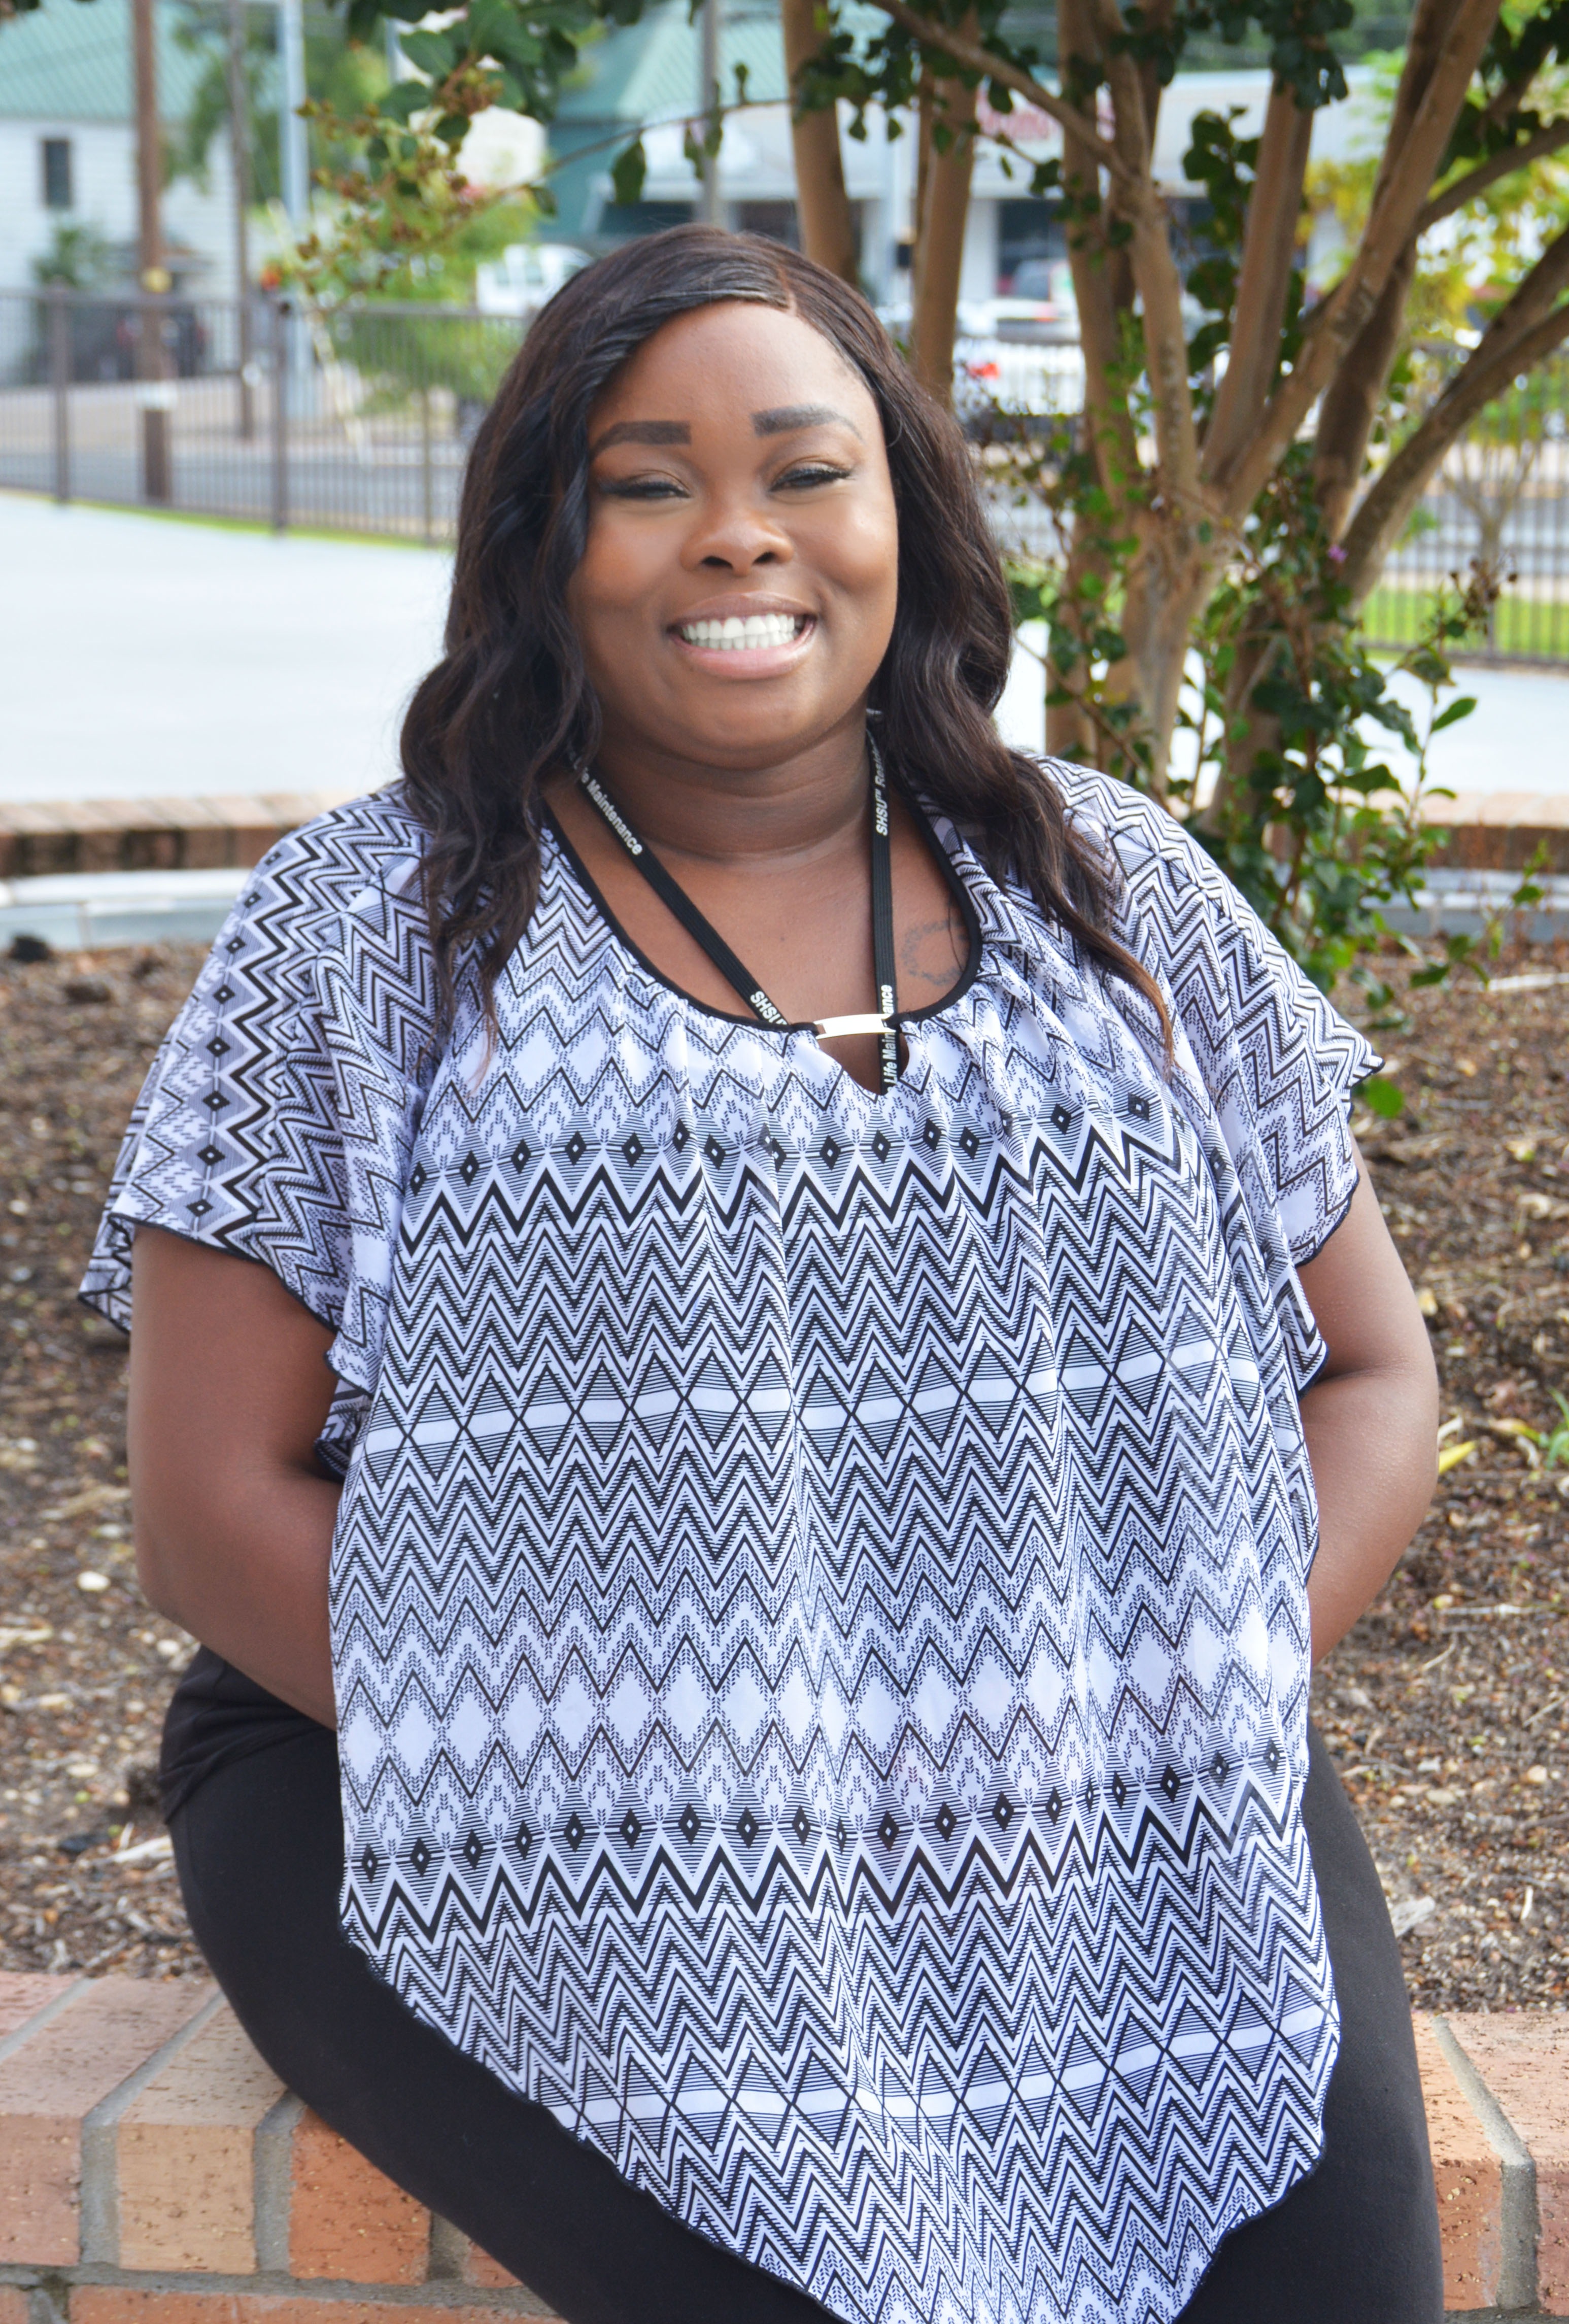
1501,494
356,421
359,420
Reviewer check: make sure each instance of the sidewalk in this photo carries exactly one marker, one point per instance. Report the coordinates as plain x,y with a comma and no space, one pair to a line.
145,658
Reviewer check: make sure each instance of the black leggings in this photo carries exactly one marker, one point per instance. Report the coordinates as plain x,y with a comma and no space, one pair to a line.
259,1845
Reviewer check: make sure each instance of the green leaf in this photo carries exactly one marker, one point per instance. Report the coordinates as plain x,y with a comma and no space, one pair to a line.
435,53
1381,1096
1462,707
628,171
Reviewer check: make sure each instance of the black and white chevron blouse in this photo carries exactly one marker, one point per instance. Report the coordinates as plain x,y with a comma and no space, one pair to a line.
818,1601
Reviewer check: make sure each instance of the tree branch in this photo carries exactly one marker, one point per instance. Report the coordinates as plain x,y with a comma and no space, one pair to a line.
1351,400
1269,250
1157,17
1405,176
1155,270
1114,438
1488,173
975,58
945,206
823,205
1387,504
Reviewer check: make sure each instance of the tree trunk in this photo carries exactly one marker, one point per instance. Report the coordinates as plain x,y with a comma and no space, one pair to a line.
1169,586
1269,251
939,250
1351,400
827,225
1070,731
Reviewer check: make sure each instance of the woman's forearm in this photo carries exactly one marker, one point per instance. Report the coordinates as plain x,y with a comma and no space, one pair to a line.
1371,1421
1371,1438
228,1394
251,1582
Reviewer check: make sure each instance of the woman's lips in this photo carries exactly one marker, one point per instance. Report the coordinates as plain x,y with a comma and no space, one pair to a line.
761,646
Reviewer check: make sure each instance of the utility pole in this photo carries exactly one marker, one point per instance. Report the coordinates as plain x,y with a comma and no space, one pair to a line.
293,134
708,206
240,171
292,381
154,275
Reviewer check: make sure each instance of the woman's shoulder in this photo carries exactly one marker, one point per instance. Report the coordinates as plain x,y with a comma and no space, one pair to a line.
375,841
1140,834
1172,894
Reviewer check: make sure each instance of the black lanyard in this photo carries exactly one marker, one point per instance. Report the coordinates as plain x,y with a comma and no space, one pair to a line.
735,973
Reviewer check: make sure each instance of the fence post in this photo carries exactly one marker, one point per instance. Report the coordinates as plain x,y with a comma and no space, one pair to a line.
280,334
60,382
427,466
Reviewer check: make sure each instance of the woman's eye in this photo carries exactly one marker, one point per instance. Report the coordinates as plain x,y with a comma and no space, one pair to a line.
816,472
641,488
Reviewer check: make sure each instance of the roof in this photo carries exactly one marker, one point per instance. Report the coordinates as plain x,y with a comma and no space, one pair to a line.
650,71
70,60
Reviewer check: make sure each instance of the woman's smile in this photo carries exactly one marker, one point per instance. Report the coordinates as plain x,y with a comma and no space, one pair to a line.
745,637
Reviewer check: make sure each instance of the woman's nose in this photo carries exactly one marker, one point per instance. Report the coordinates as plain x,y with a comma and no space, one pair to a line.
736,537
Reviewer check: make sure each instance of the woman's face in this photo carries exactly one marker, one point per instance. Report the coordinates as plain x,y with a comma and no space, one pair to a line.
736,594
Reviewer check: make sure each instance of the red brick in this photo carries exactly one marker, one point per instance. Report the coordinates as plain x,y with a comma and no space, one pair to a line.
345,2220
103,2303
1524,2060
1467,2179
14,2304
185,2155
23,1993
50,2082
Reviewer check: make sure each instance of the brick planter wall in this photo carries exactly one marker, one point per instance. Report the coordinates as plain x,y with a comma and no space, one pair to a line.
153,2170
1498,831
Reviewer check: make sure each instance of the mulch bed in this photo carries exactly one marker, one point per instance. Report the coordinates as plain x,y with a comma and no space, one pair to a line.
1447,1710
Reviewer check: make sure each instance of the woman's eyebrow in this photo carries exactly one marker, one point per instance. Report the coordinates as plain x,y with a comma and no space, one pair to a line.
642,431
787,416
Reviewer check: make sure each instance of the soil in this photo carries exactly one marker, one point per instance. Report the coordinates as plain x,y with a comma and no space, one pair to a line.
1446,1709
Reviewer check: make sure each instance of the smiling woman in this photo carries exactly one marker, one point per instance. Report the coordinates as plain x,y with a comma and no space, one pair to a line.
862,1368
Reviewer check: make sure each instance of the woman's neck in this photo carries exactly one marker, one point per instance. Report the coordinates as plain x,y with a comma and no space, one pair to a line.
792,813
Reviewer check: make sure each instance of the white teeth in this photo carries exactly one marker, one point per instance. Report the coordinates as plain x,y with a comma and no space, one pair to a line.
757,630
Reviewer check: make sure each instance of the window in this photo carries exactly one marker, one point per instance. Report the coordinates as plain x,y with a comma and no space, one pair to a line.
57,173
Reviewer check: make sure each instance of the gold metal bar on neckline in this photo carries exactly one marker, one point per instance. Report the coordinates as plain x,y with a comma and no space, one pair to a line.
835,1029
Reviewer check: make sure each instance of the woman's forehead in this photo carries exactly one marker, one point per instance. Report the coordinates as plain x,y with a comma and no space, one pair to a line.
738,362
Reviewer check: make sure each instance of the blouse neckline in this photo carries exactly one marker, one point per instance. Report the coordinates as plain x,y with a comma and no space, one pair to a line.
619,934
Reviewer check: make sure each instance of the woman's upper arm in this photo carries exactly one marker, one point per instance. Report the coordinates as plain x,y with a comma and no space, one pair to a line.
228,1385
1361,1298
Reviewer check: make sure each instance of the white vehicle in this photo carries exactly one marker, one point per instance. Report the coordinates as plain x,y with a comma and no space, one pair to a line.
525,275
1039,309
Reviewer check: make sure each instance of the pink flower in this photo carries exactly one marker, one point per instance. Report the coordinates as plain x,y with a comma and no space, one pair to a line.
1336,553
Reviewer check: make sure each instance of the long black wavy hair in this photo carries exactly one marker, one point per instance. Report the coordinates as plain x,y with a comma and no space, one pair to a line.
508,701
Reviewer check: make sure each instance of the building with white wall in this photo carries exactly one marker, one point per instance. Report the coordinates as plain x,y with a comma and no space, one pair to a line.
649,73
68,142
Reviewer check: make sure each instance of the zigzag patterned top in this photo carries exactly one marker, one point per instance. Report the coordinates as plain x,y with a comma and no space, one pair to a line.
818,1601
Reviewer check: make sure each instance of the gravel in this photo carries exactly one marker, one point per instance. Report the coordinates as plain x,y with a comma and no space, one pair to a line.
1446,1709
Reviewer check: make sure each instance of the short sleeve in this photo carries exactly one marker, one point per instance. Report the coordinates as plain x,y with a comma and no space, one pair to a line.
277,1118
1278,1063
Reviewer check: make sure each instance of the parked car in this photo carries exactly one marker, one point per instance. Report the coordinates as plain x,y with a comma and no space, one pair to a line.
525,275
1039,308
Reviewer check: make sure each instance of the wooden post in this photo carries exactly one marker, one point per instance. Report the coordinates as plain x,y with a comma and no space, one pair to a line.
280,336
59,315
427,466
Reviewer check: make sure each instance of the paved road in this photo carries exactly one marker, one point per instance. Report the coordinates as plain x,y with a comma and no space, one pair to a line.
146,658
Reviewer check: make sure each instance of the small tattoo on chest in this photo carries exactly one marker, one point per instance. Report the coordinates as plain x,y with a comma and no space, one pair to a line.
921,958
